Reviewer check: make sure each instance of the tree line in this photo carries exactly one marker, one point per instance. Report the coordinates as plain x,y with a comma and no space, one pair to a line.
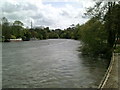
16,30
102,32
99,35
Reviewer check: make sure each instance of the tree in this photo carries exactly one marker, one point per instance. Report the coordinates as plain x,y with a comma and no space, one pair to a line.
5,21
112,23
18,23
17,29
27,35
6,29
108,14
94,37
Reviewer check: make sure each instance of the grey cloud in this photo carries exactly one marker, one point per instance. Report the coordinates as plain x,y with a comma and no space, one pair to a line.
15,16
37,16
28,6
44,21
10,8
65,13
44,15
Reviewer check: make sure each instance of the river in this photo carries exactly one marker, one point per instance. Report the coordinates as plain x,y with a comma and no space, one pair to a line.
52,63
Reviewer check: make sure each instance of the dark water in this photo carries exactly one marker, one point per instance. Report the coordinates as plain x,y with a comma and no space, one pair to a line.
49,64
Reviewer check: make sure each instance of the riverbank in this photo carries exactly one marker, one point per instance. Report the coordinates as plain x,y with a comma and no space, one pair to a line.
110,79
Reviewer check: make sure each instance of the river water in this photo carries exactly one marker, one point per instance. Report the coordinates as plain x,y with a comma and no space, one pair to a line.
53,63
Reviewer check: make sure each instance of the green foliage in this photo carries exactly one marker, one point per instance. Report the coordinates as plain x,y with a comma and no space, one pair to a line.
53,35
13,37
117,49
94,37
112,23
18,23
17,31
108,23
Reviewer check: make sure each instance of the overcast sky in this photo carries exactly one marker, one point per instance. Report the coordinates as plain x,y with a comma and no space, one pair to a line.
51,13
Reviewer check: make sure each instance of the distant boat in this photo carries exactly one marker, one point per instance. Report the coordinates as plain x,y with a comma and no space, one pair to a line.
16,40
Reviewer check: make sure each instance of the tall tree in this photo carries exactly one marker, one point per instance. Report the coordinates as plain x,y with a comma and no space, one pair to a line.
108,13
18,23
17,29
112,22
6,28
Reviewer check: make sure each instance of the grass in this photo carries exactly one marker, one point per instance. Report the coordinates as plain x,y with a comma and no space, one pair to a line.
117,49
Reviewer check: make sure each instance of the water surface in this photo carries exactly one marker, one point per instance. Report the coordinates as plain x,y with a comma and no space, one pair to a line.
54,63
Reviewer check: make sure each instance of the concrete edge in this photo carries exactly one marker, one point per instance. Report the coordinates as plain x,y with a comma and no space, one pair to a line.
107,74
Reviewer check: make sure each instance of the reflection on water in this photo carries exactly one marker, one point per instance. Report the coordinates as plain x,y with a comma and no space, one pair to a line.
49,64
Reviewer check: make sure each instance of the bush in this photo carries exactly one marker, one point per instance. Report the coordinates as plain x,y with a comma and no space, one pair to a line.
117,50
13,37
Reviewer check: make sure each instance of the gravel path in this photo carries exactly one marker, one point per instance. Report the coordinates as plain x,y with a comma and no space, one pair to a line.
113,79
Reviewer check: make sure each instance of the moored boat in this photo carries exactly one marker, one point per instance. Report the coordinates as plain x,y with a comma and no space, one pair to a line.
16,40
